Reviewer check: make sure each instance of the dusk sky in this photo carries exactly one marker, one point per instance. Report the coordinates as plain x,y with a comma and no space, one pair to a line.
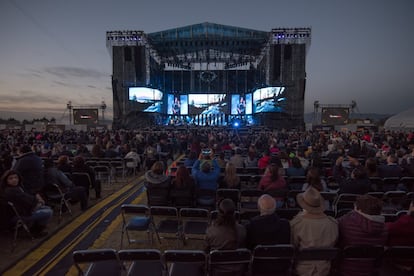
54,51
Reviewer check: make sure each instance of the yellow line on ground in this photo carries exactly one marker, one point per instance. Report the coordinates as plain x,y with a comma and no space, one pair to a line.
40,252
107,233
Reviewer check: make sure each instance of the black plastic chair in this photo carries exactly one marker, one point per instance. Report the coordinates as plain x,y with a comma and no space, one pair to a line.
229,262
101,262
82,179
272,259
364,258
194,223
249,198
142,262
55,196
18,223
135,218
186,262
329,254
398,260
166,222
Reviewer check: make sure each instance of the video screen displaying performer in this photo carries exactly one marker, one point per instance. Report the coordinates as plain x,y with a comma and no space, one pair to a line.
241,104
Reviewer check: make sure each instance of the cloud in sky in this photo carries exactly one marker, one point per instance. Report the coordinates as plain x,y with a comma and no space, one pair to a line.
65,72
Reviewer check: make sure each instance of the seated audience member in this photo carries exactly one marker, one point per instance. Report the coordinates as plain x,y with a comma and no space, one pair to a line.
31,207
391,169
313,179
189,161
267,228
400,233
371,165
358,183
206,173
150,153
156,177
221,160
271,181
30,167
313,228
362,226
296,168
182,187
225,232
79,165
63,164
237,159
264,160
55,176
135,160
251,160
230,180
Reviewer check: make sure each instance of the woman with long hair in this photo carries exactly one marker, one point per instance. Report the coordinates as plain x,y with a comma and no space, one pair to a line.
31,207
231,180
313,179
182,188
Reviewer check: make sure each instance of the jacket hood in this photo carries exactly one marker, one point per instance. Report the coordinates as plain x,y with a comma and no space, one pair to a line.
155,178
372,224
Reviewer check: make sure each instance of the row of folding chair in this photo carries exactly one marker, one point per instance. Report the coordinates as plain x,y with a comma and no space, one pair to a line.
379,184
263,260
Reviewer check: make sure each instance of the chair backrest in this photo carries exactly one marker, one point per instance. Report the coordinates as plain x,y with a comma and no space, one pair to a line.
233,194
390,183
82,179
101,261
186,262
142,261
158,196
272,259
376,183
229,262
362,258
317,254
135,209
408,182
164,211
345,201
194,213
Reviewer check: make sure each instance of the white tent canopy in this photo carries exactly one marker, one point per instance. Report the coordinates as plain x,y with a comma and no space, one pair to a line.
401,121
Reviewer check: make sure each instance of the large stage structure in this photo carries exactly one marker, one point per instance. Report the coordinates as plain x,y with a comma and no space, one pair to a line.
209,74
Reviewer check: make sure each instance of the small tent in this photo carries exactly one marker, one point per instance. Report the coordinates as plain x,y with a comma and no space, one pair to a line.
401,121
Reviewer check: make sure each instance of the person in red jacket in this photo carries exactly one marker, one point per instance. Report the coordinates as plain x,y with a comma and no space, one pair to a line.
362,226
400,233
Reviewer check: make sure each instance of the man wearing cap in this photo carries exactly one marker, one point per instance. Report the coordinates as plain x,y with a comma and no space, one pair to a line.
313,228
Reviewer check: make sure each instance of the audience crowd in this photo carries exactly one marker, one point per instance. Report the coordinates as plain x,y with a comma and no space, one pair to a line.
340,162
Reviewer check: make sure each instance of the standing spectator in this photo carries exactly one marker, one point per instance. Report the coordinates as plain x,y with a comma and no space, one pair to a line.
313,228
30,167
32,207
362,226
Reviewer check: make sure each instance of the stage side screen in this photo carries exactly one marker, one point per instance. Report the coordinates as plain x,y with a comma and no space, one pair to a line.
269,99
145,99
335,116
85,116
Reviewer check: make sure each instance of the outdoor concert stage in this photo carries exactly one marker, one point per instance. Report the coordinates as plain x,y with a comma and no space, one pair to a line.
209,75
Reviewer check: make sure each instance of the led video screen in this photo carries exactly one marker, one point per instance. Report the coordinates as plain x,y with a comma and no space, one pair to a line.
269,99
241,104
334,116
207,104
85,116
146,99
177,104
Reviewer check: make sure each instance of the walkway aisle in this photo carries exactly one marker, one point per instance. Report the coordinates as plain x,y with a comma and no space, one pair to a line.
88,230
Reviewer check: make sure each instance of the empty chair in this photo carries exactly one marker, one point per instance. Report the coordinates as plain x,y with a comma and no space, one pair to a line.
407,183
229,262
185,262
272,259
393,201
100,262
55,195
103,173
166,221
194,222
142,262
135,218
376,184
18,222
296,182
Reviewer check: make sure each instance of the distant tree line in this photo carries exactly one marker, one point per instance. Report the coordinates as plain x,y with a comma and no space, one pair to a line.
13,121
